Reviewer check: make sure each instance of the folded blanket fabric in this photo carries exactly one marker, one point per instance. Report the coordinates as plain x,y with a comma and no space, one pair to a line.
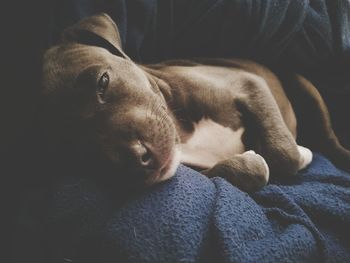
193,219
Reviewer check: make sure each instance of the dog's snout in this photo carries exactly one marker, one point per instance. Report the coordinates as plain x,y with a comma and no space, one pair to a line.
143,155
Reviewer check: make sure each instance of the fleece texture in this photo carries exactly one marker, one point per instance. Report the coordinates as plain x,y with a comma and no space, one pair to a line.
191,218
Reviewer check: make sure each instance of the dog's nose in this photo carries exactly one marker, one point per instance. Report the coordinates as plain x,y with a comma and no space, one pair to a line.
143,154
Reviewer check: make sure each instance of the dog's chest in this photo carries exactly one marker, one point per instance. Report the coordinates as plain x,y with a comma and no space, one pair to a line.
210,143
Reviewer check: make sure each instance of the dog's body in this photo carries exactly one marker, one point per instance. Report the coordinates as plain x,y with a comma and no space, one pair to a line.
206,113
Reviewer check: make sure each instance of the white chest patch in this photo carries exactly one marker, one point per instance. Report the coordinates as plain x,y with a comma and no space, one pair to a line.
210,143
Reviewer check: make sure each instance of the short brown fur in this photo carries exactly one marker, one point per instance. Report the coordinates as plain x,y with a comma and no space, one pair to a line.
147,110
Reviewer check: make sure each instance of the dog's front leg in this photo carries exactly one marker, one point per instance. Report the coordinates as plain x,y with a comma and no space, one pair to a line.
272,139
263,118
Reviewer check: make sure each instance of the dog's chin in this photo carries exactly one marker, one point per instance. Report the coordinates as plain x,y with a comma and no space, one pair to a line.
167,170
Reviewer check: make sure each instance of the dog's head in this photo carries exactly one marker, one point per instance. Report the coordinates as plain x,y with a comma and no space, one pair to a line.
96,95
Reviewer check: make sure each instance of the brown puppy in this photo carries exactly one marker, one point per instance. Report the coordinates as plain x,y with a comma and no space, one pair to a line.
211,114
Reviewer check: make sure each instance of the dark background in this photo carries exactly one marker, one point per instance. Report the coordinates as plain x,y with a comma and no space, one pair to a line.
24,31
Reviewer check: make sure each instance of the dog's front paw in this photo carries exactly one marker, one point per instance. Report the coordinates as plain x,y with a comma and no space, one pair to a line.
266,172
305,157
248,171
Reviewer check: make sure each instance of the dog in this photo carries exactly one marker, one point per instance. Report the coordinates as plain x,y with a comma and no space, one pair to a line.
231,118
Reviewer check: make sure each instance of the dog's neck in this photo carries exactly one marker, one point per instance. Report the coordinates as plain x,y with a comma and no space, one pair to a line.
155,78
202,142
175,101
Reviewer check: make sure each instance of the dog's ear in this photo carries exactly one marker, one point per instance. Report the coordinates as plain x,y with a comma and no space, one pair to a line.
98,30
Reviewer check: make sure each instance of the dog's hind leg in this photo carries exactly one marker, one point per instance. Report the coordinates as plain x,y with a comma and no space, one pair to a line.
314,123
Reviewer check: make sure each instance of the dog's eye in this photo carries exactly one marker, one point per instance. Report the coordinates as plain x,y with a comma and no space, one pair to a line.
102,87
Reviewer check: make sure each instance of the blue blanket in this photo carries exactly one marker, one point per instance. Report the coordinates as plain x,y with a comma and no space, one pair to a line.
191,218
